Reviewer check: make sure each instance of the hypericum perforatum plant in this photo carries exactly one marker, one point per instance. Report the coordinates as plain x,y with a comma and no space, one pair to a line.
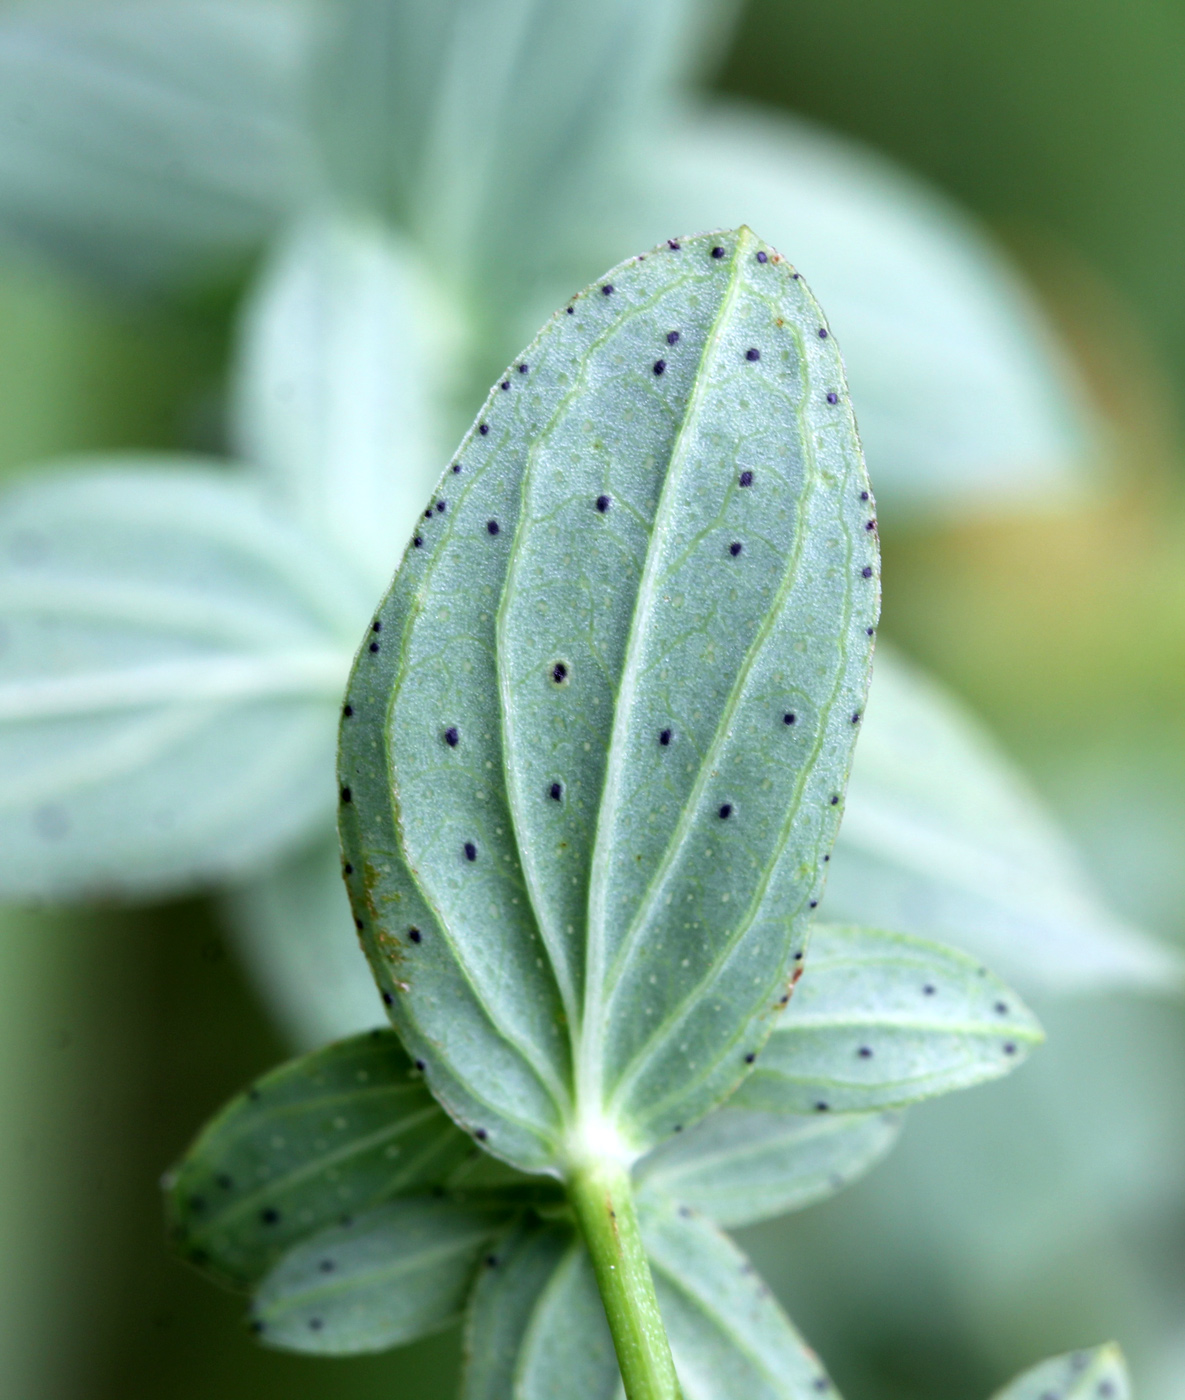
593,756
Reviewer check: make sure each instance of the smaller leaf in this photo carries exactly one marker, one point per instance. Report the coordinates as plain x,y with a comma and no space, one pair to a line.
739,1166
728,1335
518,1270
315,1141
881,1020
1098,1373
385,1278
567,1348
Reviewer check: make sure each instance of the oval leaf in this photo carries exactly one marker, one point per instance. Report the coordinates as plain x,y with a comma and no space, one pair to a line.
1095,1374
171,673
739,1166
596,742
326,1136
382,1279
881,1020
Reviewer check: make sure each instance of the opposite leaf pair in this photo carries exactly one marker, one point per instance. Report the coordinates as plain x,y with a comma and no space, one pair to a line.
358,1215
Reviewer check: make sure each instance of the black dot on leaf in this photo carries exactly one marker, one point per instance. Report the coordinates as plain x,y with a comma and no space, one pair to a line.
735,548
1010,1049
492,527
270,1216
725,811
388,999
749,1059
523,368
456,468
835,800
752,354
470,851
347,710
415,935
789,717
374,646
483,429
421,1066
417,542
672,337
327,1266
607,289
822,333
929,989
814,903
673,244
603,503
481,1135
761,257
717,252
556,791
866,571
315,1324
863,495
347,795
865,1052
559,673
745,479
505,384
347,869
833,398
664,737
451,737
821,1107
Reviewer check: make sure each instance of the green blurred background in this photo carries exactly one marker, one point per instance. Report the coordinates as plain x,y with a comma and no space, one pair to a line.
1063,126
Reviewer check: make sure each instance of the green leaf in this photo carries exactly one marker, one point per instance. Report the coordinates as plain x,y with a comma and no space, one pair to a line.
943,837
343,366
1095,1374
292,927
382,1279
482,129
151,142
174,664
963,395
644,616
881,1020
524,1268
317,1140
728,1334
739,1166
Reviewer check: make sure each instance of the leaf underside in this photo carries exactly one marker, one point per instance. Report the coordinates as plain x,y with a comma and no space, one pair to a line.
881,1020
1095,1373
595,744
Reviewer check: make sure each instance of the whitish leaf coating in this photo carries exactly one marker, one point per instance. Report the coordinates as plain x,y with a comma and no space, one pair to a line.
375,1281
739,1166
1096,1373
319,1139
881,1020
595,744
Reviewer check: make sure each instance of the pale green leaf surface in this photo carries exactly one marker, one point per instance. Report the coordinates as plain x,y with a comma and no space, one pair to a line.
962,394
943,837
343,363
881,1020
503,1303
483,126
566,1347
292,927
1098,1373
739,1166
317,1140
707,848
384,1278
172,669
150,141
728,1335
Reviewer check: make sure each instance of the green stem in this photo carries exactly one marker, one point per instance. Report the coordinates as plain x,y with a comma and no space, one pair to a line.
603,1201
